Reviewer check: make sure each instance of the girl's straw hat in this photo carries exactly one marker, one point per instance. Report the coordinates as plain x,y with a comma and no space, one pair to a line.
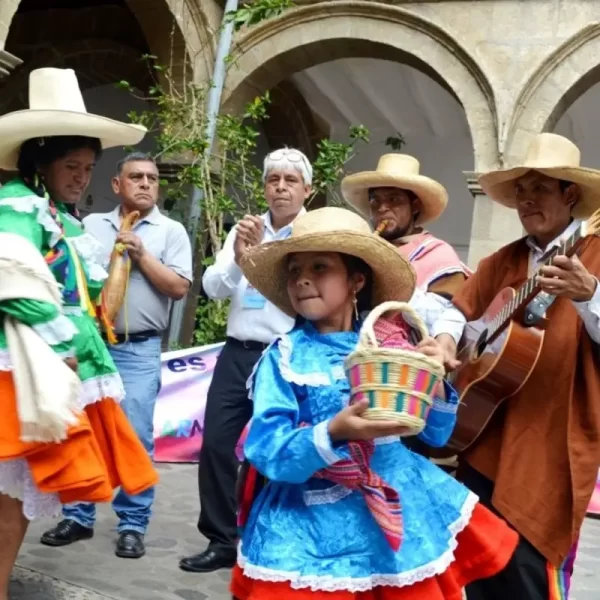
398,171
329,229
56,107
554,156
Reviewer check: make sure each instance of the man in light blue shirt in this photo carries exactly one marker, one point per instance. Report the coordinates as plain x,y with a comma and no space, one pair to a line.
253,324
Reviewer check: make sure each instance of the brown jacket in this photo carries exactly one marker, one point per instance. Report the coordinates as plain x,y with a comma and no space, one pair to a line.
542,449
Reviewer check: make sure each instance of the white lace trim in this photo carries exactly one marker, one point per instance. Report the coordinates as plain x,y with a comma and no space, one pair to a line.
73,310
322,443
327,583
285,347
93,254
329,495
58,331
103,386
250,380
29,204
16,481
311,379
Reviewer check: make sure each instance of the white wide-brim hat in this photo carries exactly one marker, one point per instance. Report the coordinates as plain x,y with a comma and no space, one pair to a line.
56,107
398,171
552,155
329,229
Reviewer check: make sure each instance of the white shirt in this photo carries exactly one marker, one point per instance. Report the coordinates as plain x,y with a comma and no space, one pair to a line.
588,311
224,279
440,315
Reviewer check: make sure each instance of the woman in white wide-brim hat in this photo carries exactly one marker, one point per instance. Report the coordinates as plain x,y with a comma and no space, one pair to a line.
342,517
50,274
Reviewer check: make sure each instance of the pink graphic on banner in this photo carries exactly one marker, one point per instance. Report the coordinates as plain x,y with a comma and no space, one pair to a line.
179,414
594,507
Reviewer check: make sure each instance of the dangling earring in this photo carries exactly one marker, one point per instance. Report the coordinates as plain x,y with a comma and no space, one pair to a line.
355,302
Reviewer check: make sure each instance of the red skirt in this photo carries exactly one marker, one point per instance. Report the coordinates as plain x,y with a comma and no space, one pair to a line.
484,549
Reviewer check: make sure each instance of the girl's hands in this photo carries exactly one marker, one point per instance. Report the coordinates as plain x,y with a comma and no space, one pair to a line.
349,424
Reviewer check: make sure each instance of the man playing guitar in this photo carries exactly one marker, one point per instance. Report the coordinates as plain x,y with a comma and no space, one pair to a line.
536,461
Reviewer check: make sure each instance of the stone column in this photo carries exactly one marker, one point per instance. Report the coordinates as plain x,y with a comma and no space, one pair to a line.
493,225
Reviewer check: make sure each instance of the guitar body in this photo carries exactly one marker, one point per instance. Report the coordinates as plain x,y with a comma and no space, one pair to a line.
491,373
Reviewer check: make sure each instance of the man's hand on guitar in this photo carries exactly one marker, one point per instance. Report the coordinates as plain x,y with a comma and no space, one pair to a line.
568,278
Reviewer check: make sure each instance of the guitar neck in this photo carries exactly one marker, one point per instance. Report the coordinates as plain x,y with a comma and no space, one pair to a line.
530,288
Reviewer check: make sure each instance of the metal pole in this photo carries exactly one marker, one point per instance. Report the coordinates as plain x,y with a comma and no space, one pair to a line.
214,103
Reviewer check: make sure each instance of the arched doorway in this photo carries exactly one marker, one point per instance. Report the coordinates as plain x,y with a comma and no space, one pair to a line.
554,90
414,81
104,41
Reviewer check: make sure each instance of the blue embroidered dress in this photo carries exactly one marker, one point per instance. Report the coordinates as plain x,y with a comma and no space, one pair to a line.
315,534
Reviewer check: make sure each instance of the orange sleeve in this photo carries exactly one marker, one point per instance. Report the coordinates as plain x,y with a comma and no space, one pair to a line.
478,291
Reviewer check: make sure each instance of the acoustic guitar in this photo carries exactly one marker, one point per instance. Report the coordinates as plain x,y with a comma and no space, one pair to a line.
501,349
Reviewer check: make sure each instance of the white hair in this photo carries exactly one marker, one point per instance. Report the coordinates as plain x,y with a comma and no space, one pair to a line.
287,159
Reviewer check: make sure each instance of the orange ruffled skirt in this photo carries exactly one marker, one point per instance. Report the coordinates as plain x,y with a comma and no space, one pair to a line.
484,549
102,452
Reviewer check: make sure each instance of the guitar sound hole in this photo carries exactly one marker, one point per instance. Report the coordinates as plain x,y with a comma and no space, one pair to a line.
481,344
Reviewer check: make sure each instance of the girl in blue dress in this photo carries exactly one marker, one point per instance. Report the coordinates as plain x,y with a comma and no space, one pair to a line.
307,537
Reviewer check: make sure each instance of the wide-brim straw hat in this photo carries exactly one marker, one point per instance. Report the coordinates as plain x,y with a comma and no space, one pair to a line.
552,155
56,107
398,171
329,229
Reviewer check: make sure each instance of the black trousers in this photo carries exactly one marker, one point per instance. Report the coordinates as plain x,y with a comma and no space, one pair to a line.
228,410
526,575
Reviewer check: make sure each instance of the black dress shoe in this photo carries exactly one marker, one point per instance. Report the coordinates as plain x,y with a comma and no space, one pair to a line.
65,533
130,545
208,561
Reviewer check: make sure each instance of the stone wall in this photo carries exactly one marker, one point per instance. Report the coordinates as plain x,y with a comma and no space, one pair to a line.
515,65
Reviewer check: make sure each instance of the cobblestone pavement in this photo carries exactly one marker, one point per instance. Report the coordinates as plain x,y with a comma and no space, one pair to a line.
89,570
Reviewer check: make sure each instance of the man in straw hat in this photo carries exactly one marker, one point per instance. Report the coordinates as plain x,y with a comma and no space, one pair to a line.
399,201
537,461
398,198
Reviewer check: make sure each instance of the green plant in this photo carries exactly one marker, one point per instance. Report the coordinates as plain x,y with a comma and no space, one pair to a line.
257,11
329,166
396,142
224,177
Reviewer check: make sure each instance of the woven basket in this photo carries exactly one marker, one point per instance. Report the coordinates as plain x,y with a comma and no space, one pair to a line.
399,384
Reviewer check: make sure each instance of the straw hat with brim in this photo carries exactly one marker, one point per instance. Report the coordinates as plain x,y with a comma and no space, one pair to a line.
398,171
329,229
56,107
554,156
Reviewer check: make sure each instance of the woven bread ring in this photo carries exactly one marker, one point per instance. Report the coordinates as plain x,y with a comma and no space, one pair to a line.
399,384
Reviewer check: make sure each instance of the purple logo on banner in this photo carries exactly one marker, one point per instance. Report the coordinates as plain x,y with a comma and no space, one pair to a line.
179,414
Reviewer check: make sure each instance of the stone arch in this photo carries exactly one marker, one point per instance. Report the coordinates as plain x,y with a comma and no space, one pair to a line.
313,34
169,26
565,75
96,62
